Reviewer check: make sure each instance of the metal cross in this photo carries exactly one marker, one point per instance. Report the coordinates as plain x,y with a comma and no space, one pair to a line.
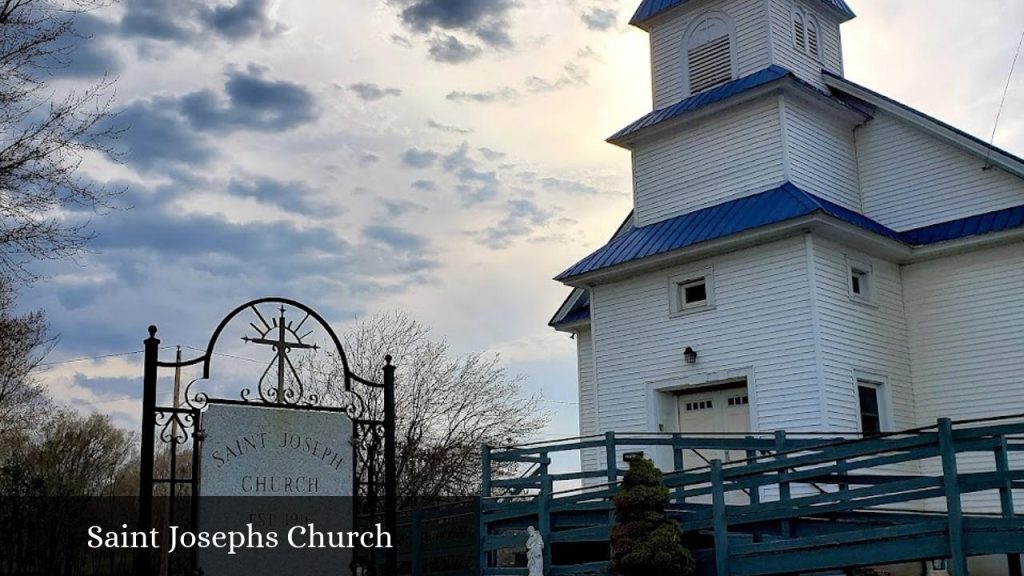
281,345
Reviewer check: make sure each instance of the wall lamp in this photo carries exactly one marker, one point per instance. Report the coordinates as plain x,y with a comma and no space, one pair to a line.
690,355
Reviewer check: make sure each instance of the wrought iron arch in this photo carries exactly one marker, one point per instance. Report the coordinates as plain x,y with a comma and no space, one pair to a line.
177,425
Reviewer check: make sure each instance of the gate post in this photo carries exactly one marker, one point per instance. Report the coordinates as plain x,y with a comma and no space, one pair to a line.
719,521
390,471
152,351
954,512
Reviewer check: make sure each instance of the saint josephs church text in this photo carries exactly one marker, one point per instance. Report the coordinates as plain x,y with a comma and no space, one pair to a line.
252,443
299,537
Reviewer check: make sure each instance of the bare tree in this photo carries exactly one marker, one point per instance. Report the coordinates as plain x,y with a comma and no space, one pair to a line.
23,345
81,455
447,406
44,136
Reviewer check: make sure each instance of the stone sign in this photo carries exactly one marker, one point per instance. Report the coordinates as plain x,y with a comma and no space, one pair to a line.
281,472
263,451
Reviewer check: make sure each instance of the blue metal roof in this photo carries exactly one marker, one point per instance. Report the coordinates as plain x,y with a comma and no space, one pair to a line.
650,8
772,207
998,221
579,311
708,97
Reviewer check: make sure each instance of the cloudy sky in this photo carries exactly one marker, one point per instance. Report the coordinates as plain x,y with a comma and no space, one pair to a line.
441,157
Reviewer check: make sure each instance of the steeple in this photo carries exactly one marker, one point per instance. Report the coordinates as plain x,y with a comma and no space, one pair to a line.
699,44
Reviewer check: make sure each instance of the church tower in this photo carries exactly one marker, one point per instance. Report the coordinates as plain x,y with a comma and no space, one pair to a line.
699,44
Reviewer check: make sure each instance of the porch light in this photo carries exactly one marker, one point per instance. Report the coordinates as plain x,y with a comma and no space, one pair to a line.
691,355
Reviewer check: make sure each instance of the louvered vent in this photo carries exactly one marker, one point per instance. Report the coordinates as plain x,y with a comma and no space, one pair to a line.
710,64
798,31
812,40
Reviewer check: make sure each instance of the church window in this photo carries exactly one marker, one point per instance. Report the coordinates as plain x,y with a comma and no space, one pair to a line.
861,282
691,292
870,404
709,54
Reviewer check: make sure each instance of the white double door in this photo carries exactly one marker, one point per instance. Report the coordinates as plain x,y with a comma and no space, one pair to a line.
720,412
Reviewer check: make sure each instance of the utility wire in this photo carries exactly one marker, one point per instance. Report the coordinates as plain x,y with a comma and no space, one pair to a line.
1002,103
100,357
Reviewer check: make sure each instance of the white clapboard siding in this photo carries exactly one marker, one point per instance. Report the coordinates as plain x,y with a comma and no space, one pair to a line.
760,322
859,339
732,154
589,459
785,52
822,154
965,317
668,50
911,179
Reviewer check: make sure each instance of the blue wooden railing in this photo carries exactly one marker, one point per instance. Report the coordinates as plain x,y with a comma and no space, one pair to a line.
794,504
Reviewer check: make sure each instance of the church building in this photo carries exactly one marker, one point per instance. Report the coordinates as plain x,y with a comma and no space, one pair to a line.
804,253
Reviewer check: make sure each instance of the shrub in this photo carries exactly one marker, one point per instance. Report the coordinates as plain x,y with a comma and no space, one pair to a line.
644,540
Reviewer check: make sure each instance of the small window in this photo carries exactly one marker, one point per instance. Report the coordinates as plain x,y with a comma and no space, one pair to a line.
861,282
699,405
739,400
870,408
691,292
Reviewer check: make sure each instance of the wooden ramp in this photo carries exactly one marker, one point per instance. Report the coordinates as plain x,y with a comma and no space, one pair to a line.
796,504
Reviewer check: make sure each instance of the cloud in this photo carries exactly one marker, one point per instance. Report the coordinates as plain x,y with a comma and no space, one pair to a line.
424,185
155,136
446,128
485,19
416,158
188,21
395,238
599,18
521,218
399,40
492,155
399,208
552,184
291,196
505,94
253,103
83,51
575,73
451,50
247,18
370,92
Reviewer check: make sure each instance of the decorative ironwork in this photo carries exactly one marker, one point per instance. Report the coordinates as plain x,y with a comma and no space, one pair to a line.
368,403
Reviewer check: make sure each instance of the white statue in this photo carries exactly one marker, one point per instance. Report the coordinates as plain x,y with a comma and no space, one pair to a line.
534,552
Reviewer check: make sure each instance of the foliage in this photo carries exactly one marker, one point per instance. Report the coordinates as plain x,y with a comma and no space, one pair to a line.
447,406
644,540
44,136
23,344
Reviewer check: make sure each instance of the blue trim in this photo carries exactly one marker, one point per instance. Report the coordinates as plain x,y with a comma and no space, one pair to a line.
706,98
775,206
650,8
579,312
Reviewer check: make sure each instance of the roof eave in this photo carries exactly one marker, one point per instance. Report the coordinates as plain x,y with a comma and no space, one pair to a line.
819,221
571,327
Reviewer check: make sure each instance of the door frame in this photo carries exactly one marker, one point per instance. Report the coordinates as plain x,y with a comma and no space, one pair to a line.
662,403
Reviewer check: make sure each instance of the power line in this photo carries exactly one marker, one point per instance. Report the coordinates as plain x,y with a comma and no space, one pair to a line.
1002,103
100,357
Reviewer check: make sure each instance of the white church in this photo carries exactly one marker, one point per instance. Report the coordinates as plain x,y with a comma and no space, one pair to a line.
803,253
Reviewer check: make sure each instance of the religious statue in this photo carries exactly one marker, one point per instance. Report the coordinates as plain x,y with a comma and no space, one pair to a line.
534,552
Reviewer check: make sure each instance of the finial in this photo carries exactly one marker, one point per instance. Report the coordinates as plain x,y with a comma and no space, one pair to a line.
152,330
387,359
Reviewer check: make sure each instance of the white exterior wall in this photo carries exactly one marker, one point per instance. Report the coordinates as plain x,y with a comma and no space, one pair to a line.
589,459
911,179
760,323
858,339
966,324
730,155
822,154
750,44
966,320
786,54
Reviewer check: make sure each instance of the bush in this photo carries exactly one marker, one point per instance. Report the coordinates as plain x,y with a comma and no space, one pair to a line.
644,540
